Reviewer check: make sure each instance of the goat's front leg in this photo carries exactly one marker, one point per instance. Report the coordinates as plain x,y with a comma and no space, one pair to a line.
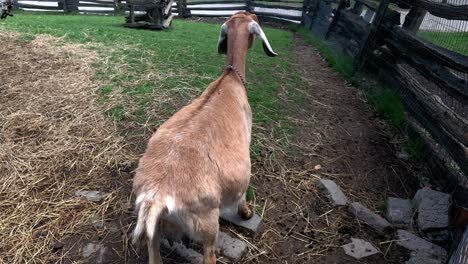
243,209
209,227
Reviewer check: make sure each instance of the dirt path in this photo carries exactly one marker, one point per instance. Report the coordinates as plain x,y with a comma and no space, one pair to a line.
338,130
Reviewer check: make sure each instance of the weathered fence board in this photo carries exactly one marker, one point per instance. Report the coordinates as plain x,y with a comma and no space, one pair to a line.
278,6
411,43
443,10
217,8
52,8
369,3
216,2
447,131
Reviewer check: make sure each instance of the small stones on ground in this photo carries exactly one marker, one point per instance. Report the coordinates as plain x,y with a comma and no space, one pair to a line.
97,223
181,250
424,259
252,225
95,196
399,211
419,245
232,248
333,192
433,209
372,219
96,250
359,248
403,155
57,245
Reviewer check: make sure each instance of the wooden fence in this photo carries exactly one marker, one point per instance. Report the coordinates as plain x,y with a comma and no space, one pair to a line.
432,80
280,10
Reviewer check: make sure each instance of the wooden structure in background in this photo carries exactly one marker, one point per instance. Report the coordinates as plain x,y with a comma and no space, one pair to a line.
158,14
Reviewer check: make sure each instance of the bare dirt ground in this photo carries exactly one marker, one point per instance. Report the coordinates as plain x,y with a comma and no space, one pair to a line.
335,129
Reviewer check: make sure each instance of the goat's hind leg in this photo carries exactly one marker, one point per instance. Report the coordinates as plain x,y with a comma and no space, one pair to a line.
154,247
243,209
208,231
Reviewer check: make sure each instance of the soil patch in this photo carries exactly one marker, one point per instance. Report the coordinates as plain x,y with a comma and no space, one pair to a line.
54,141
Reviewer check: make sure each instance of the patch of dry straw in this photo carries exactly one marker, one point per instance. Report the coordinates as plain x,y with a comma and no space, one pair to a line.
54,140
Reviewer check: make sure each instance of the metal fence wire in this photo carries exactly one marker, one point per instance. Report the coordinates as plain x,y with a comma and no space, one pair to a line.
451,35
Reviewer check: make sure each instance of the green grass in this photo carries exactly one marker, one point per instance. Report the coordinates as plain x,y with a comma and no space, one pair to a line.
388,103
148,75
454,41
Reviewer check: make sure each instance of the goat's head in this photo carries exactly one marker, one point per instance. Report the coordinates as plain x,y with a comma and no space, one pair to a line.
243,26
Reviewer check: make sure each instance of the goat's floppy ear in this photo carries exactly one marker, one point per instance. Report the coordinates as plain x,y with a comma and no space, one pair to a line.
222,40
255,28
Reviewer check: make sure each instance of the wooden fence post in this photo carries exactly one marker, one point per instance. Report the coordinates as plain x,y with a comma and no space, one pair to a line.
70,6
357,8
182,9
414,19
249,6
368,43
341,6
305,8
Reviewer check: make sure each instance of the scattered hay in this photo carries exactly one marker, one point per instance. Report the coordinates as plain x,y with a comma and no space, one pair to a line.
54,140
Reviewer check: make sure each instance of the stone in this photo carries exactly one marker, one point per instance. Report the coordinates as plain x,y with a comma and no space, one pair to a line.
419,245
437,236
403,155
333,192
95,196
252,225
359,248
419,258
97,251
97,223
399,211
182,251
372,219
232,248
57,245
433,209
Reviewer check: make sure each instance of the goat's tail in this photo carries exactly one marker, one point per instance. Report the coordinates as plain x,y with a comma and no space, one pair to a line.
149,211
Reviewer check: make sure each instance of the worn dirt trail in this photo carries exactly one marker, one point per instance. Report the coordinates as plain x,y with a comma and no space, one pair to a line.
338,130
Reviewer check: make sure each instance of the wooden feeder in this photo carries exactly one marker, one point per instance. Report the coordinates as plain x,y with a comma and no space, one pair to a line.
158,14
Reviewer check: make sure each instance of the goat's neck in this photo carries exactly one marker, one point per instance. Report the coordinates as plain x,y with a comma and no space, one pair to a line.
237,49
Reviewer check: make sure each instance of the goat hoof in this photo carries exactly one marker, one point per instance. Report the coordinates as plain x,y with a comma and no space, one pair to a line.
246,213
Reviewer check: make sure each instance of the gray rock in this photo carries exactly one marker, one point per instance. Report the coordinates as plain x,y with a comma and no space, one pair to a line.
181,250
372,219
359,248
95,196
97,223
333,192
399,211
232,248
403,155
424,259
420,246
96,250
57,246
252,225
433,209
438,236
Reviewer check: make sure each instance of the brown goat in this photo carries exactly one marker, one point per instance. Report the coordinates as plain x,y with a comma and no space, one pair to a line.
198,161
